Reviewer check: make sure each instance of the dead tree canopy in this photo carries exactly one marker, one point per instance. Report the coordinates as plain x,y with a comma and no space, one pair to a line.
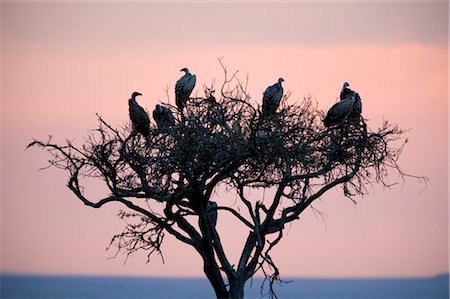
226,141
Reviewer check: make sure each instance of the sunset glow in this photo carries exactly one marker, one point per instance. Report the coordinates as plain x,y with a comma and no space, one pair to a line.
62,63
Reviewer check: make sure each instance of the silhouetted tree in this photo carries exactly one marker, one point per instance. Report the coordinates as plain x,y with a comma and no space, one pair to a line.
166,182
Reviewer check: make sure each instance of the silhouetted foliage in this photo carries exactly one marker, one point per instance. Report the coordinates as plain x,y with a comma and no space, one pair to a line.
225,141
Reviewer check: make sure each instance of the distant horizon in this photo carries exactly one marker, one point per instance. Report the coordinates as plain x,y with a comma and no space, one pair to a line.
115,275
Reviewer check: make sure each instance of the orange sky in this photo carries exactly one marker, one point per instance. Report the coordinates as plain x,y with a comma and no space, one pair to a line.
62,63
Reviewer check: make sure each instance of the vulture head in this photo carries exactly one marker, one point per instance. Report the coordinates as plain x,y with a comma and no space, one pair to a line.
345,85
280,80
135,94
185,69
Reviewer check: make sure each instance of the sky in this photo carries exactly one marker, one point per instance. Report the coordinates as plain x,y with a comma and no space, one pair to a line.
63,62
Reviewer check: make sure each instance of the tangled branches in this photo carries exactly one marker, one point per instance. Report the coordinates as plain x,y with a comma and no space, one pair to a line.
226,141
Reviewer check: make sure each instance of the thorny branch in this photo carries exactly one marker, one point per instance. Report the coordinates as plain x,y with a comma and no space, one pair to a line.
167,181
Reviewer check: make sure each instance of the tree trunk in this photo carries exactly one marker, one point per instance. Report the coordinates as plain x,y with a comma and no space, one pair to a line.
236,289
216,282
236,286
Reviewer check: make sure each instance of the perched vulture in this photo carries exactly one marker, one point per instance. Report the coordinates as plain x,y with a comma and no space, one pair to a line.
139,118
350,107
183,88
211,210
163,117
272,98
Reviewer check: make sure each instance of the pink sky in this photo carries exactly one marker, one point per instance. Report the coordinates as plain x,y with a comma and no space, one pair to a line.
62,63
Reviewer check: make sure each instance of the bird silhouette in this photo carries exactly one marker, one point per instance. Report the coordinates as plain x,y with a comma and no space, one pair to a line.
183,88
163,117
349,107
272,98
139,118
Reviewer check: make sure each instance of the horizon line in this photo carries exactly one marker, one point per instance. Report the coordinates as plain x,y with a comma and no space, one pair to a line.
287,277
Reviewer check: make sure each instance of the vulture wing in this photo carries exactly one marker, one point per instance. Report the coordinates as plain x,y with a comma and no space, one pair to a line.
189,85
169,117
183,89
346,93
156,116
339,111
179,86
139,118
271,99
358,103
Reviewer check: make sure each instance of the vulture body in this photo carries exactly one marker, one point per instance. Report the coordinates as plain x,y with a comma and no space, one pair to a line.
272,98
183,88
349,107
139,118
163,117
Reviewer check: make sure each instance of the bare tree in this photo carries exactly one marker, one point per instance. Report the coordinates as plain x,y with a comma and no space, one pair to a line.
166,181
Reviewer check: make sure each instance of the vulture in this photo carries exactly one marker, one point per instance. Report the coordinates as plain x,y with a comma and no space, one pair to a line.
184,87
349,107
211,210
163,117
272,98
139,118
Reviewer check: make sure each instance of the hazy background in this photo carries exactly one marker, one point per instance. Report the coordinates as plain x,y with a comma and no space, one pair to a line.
63,62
